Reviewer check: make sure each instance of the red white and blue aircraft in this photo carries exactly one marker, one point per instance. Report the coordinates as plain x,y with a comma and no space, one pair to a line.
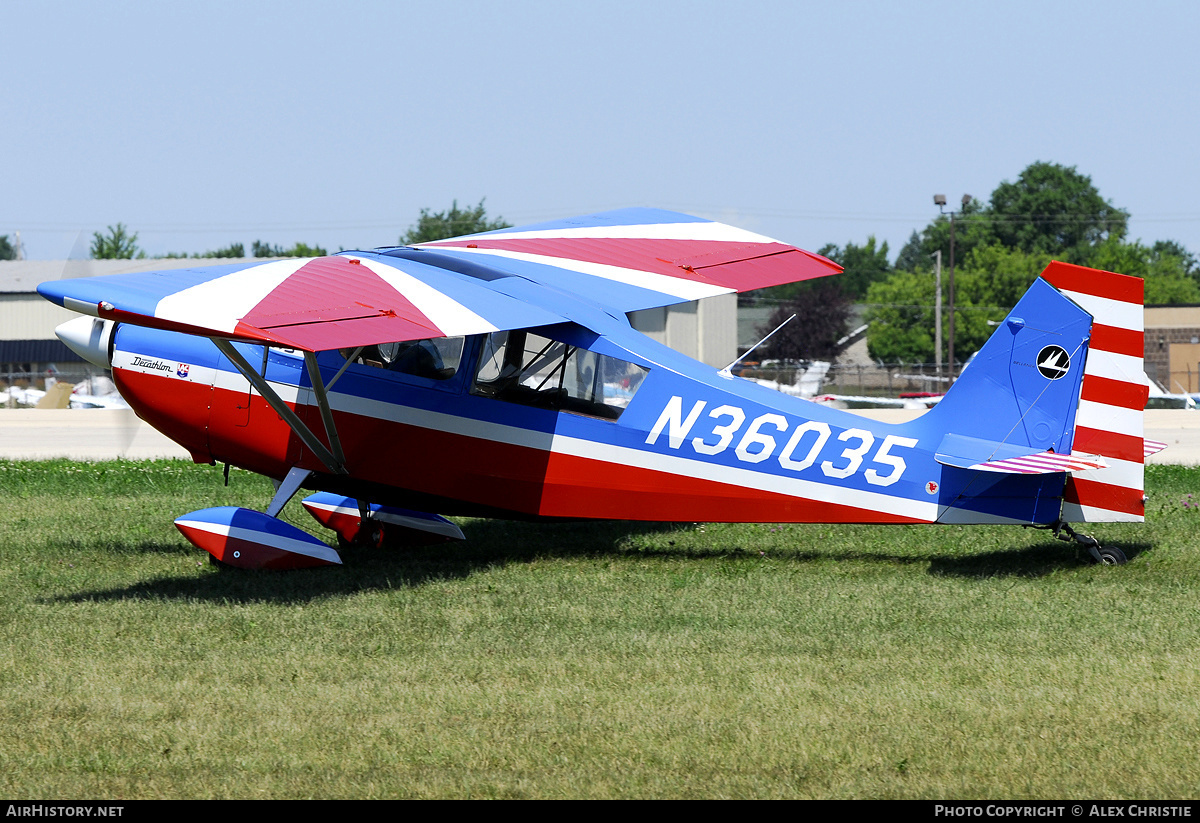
498,375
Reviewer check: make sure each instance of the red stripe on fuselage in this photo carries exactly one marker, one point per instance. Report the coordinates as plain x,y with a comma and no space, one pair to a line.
213,423
534,481
524,480
178,409
585,487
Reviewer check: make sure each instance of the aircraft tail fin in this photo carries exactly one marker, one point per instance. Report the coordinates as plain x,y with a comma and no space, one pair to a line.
1109,421
1062,376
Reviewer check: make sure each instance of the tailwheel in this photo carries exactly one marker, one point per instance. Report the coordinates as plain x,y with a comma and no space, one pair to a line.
1105,555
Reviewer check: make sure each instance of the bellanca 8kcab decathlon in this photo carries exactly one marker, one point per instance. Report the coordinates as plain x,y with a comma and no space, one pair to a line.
498,375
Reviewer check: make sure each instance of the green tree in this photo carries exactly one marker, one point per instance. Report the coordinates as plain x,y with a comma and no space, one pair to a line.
1054,209
988,283
821,316
1168,280
262,249
454,222
7,252
972,229
305,250
118,244
1163,249
1049,212
998,276
900,314
862,265
912,254
232,250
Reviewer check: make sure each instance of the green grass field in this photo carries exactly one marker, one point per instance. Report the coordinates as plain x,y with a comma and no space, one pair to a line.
589,660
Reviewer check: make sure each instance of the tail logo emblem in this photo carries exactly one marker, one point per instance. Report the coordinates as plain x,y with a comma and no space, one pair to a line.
1053,362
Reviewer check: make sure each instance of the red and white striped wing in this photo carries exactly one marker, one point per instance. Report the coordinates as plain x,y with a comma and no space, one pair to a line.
624,261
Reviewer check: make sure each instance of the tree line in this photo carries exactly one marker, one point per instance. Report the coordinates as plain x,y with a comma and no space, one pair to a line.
118,243
1050,212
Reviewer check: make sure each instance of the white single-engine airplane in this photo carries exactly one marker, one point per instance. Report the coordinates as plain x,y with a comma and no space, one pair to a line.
498,375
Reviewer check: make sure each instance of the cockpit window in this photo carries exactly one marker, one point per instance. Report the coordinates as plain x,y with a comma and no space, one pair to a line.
435,359
526,368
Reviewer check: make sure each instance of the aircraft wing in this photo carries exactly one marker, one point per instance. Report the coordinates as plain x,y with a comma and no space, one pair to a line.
623,261
633,259
312,304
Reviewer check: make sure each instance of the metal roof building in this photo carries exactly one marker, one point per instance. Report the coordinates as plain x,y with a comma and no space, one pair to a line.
27,342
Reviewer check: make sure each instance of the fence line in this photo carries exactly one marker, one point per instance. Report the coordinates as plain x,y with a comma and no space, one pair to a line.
882,379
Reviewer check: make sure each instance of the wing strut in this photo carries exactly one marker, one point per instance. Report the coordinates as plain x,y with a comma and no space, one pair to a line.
287,489
334,461
314,374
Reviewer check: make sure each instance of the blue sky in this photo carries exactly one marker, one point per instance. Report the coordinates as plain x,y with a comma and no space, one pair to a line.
207,123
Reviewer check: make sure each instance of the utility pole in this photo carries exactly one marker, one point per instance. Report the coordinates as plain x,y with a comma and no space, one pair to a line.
937,312
939,200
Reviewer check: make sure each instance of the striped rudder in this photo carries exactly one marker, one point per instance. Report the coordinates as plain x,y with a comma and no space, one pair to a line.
1109,420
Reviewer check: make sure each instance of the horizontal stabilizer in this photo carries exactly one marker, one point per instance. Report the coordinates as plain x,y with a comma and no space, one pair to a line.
985,455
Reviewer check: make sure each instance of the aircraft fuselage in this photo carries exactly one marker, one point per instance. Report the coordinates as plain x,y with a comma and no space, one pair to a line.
689,445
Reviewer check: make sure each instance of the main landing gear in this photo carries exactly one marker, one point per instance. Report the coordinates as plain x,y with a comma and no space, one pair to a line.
248,539
383,526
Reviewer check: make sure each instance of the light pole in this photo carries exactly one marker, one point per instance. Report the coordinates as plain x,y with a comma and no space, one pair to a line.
937,314
939,200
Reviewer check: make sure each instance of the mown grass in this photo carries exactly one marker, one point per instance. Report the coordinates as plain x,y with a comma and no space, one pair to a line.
589,660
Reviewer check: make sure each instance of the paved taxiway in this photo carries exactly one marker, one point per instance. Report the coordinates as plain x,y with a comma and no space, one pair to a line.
105,434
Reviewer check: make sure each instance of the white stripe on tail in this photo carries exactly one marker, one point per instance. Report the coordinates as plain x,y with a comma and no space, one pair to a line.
1109,420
